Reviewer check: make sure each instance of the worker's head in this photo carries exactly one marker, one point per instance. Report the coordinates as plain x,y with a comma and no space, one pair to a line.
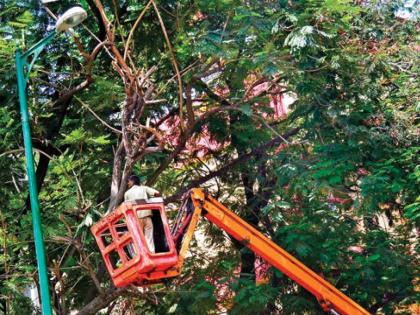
133,180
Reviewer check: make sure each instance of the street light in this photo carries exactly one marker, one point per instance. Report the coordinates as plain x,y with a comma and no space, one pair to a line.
70,18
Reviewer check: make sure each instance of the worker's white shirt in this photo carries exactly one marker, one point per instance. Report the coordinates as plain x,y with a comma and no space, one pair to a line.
140,192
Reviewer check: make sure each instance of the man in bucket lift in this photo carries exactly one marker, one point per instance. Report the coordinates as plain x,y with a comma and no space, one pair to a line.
140,192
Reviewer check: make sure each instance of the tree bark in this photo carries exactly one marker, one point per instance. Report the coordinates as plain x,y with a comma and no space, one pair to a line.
116,176
101,301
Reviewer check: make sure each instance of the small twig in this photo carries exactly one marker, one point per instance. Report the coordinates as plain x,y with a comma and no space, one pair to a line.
130,35
50,13
262,120
15,184
98,40
93,55
174,62
183,72
224,27
11,152
96,116
147,75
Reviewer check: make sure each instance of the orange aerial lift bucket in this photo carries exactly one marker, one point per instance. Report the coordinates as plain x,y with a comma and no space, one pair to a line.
124,248
129,261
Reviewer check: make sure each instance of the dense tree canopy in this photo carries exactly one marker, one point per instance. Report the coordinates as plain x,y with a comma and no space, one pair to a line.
186,94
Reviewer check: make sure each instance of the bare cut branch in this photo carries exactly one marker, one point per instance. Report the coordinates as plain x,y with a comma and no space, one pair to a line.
152,149
149,129
93,55
49,12
125,125
102,301
11,152
154,102
70,93
111,36
147,76
98,18
105,20
15,184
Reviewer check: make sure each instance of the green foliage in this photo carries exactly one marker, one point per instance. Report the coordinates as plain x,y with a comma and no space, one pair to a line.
412,211
250,298
199,299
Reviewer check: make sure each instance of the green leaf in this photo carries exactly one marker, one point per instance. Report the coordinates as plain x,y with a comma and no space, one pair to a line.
246,109
76,136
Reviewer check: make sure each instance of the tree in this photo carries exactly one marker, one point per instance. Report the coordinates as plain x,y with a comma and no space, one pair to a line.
143,84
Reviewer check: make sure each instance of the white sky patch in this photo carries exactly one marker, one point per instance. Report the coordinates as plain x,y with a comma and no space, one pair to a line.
410,11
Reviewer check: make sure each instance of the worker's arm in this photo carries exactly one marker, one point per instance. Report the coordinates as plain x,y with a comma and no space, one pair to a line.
151,192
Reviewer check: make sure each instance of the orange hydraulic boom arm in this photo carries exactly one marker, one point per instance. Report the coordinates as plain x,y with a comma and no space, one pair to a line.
330,298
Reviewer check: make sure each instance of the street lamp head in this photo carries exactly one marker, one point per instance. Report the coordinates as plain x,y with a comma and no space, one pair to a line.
71,18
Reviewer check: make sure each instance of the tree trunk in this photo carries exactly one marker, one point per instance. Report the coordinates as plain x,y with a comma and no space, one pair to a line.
116,177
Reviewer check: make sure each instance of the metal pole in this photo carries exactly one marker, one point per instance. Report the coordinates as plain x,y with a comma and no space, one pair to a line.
33,191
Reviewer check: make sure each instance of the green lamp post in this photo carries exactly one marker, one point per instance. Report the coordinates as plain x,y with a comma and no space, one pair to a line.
70,18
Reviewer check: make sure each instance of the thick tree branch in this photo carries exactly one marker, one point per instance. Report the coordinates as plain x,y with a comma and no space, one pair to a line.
102,31
130,35
102,301
116,176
